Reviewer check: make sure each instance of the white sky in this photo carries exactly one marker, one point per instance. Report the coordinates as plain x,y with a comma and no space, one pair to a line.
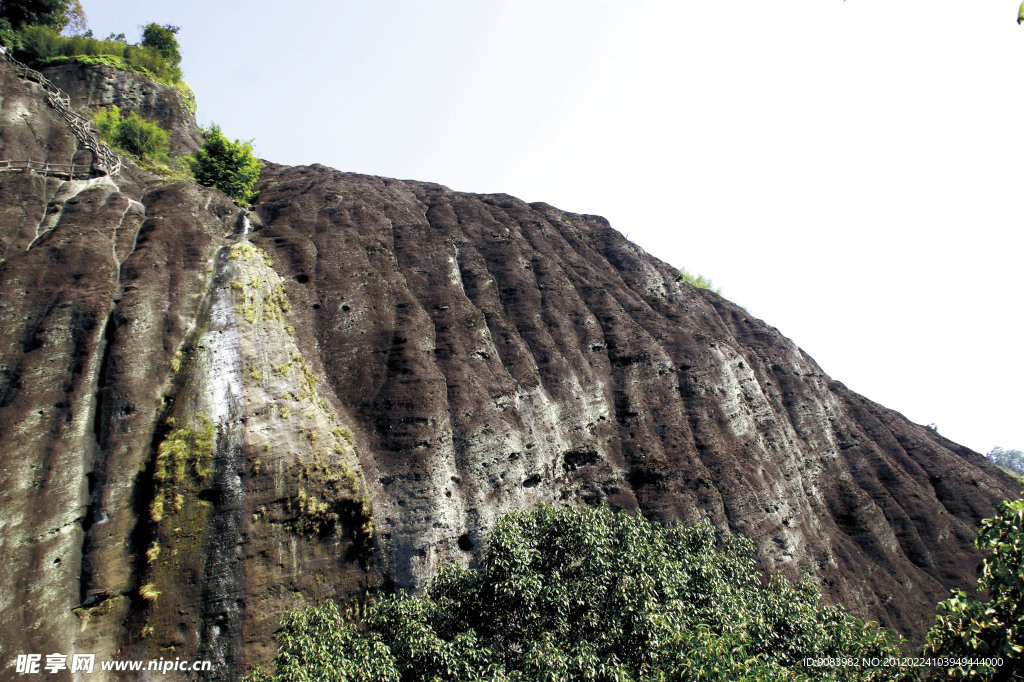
850,172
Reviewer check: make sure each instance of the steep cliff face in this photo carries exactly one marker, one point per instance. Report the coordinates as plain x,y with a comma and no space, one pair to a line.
495,354
104,86
204,425
175,476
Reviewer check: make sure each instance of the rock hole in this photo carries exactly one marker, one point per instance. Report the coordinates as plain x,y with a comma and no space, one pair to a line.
316,306
532,481
211,495
301,279
465,544
574,459
345,308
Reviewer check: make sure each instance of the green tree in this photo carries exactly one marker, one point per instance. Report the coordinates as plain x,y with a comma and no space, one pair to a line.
1008,459
134,134
17,14
163,40
316,645
8,36
969,628
589,594
225,165
52,13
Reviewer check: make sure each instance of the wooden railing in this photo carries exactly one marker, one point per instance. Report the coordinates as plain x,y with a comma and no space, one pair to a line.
70,170
105,161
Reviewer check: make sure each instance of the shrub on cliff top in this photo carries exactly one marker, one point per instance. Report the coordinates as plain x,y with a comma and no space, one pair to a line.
699,281
588,594
42,45
225,165
162,40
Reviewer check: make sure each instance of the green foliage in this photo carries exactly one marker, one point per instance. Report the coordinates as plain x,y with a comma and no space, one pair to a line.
225,165
315,645
588,594
969,628
134,134
108,122
142,137
52,13
162,40
698,281
1013,460
44,45
9,37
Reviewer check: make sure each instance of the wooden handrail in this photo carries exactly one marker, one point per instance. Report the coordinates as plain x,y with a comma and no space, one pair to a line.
105,160
46,168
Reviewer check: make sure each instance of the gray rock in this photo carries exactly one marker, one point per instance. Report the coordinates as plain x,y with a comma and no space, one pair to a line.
198,437
102,86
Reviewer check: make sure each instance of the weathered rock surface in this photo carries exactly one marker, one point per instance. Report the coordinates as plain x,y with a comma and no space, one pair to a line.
495,354
199,435
102,86
28,129
174,477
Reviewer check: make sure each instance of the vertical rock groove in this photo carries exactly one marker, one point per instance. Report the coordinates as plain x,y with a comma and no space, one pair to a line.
207,425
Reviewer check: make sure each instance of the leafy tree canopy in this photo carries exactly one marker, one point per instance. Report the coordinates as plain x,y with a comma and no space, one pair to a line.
970,628
163,40
587,594
1008,459
56,14
52,13
42,45
225,165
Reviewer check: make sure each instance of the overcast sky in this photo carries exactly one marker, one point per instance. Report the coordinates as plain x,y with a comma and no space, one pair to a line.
850,172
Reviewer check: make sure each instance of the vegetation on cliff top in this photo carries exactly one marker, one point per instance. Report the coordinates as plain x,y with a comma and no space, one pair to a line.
43,46
33,30
1010,461
58,14
588,594
699,281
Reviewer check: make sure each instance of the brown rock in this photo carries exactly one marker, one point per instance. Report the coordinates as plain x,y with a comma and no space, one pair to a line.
495,354
103,86
197,438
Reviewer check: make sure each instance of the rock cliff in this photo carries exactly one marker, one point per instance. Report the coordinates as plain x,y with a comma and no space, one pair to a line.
104,86
209,418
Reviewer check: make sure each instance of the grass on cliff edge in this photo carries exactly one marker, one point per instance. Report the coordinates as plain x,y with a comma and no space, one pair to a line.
699,281
44,46
588,594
